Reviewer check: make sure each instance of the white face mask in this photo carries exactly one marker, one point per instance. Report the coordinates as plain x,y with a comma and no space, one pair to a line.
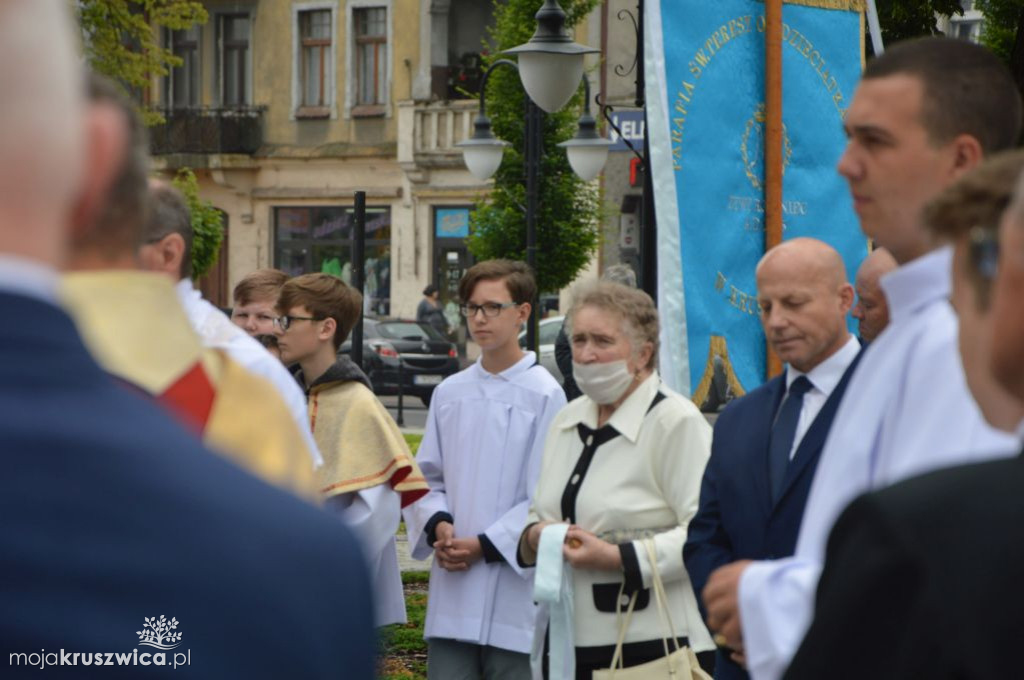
604,383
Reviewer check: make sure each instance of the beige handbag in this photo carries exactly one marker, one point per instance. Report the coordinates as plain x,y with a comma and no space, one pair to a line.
680,664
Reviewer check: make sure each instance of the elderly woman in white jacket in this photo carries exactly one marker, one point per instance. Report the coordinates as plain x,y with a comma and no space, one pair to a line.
621,464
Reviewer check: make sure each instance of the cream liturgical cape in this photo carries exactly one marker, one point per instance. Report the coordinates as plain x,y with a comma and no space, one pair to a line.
216,330
136,329
481,455
368,475
907,410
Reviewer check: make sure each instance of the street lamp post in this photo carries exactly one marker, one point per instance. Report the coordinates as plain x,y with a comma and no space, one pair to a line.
550,67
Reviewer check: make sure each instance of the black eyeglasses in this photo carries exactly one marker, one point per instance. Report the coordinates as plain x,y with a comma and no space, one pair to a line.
490,309
285,322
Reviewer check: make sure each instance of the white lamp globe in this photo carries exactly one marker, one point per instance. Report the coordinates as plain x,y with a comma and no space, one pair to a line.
587,160
483,160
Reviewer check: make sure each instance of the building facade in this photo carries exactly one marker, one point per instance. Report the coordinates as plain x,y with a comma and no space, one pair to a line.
285,108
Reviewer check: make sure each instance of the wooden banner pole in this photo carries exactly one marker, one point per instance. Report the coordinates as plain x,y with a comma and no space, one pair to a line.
773,140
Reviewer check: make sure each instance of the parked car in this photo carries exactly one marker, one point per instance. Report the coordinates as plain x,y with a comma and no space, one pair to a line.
546,335
399,352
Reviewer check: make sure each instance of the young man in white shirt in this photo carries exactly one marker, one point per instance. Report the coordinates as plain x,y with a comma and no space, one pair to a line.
481,456
925,113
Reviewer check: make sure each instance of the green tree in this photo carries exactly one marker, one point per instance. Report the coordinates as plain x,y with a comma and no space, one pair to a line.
207,224
121,38
568,208
1003,32
903,19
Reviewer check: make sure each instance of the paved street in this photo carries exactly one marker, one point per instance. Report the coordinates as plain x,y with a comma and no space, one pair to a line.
414,413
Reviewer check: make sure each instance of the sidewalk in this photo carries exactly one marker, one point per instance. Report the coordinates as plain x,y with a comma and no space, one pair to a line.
407,563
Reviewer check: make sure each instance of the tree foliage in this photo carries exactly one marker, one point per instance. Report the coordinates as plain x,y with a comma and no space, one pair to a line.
568,208
207,224
122,38
903,19
1002,29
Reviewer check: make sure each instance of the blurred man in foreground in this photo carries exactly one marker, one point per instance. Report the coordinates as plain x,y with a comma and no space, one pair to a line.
113,515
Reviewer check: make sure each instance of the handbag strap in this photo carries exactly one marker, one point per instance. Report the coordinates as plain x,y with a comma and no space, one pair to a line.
660,596
617,660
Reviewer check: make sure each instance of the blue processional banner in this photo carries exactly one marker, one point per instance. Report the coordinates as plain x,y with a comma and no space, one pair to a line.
706,113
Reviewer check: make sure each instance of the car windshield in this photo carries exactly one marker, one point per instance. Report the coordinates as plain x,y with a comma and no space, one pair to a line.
407,330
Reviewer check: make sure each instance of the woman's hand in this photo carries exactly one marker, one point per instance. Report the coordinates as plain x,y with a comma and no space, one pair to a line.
533,535
584,549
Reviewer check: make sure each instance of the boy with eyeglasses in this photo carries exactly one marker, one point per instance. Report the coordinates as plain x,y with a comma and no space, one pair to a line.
368,474
481,456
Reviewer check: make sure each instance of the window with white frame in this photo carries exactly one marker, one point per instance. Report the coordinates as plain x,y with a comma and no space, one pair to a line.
314,50
368,57
183,81
371,51
233,35
315,27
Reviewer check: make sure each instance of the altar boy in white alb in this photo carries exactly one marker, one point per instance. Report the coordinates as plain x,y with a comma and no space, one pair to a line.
481,456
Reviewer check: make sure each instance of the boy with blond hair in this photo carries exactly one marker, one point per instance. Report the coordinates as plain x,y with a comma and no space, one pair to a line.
255,301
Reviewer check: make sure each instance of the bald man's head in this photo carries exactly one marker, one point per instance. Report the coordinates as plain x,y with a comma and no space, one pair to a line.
804,298
42,127
872,309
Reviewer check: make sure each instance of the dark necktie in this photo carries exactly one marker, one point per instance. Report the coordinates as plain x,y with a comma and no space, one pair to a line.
783,433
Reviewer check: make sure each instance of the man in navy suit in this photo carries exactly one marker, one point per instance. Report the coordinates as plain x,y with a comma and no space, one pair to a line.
119,531
766,444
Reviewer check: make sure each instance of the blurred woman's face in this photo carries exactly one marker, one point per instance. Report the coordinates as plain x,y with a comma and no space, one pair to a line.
599,337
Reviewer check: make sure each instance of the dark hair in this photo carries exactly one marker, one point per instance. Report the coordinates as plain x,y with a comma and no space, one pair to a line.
430,290
118,226
262,284
967,89
517,276
325,296
169,214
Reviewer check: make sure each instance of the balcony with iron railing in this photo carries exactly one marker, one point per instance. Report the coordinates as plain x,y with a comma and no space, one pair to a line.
208,130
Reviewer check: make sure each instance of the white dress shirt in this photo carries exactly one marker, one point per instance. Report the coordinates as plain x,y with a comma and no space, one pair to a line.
823,378
22,276
215,330
907,410
481,455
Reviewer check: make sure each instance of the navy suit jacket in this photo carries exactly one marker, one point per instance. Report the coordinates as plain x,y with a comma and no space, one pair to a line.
111,513
736,518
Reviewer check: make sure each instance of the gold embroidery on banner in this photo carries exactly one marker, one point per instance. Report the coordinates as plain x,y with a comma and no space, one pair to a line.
845,5
720,350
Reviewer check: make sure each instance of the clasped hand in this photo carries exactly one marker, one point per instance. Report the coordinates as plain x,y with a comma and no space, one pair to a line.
582,549
455,554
